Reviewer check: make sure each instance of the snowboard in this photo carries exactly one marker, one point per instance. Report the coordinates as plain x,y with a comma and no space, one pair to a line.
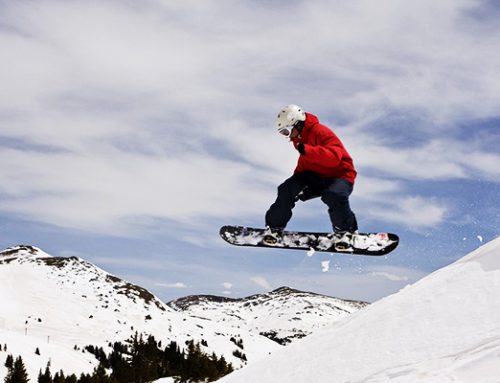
372,244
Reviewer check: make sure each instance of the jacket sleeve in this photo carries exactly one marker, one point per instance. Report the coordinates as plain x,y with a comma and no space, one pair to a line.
326,154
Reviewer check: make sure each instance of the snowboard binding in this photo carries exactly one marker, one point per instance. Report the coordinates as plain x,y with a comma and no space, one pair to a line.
272,236
343,241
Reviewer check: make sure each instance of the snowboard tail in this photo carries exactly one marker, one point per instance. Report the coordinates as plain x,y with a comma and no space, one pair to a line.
371,244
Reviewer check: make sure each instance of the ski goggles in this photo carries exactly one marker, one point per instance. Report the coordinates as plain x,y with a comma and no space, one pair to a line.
286,131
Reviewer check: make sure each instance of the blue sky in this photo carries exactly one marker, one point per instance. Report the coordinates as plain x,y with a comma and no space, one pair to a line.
130,132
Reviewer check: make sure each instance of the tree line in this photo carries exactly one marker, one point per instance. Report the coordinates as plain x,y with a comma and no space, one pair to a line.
138,360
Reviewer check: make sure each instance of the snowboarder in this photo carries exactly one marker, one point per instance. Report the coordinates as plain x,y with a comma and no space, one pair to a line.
324,169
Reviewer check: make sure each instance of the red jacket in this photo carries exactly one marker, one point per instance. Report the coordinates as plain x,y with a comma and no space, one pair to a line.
325,154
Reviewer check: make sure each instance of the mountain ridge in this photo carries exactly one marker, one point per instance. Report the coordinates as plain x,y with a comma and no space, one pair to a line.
59,304
184,303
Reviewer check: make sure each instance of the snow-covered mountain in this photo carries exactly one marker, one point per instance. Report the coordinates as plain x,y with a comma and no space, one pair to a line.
59,305
445,328
282,315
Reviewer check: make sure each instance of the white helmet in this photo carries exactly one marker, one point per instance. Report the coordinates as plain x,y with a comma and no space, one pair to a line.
289,116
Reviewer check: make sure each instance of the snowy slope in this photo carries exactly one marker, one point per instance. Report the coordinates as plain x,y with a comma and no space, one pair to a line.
445,328
55,304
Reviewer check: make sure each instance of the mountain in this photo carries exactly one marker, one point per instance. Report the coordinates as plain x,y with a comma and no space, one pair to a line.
282,315
59,305
444,328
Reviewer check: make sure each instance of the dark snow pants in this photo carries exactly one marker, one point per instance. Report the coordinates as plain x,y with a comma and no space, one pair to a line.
334,192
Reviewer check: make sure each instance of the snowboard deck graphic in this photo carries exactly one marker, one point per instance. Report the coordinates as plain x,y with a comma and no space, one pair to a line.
371,244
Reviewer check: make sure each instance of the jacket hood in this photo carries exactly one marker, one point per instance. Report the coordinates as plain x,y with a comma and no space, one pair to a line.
310,121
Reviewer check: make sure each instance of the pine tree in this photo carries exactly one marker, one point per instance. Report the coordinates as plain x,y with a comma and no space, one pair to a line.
9,361
121,368
18,373
46,377
59,377
100,375
143,361
85,378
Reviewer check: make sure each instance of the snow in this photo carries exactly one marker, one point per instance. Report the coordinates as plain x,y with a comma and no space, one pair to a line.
58,354
444,328
325,266
286,312
55,304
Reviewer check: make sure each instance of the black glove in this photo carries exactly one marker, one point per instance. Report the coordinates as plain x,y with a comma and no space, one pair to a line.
301,148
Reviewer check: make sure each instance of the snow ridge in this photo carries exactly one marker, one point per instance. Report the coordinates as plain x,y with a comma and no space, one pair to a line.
444,328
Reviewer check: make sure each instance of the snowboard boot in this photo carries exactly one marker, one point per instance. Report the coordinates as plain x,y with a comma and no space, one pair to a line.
272,236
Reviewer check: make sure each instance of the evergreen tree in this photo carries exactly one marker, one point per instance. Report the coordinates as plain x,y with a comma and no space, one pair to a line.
145,360
59,377
100,375
141,360
85,378
9,361
46,377
18,373
121,368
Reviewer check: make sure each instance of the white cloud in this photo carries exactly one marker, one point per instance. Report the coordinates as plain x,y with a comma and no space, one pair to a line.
227,285
431,161
261,282
482,164
176,285
102,192
389,276
372,188
116,114
437,159
413,212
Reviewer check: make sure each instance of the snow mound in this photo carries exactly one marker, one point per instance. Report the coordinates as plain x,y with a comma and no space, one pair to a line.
445,328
